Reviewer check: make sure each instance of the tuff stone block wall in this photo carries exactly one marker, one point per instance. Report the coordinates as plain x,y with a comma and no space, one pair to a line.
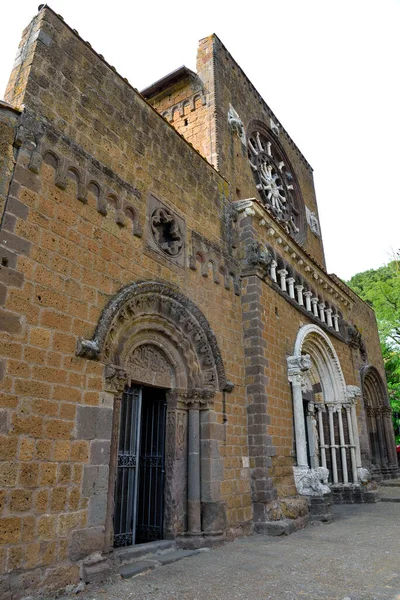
82,169
91,151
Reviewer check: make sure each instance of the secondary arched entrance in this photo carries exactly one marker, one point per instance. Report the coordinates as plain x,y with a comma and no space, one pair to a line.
164,368
379,423
324,411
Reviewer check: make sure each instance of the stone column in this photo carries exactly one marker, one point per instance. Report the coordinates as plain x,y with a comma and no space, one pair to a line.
352,444
194,514
314,302
282,274
296,367
389,434
335,318
321,307
381,441
290,282
274,264
213,512
332,443
299,290
307,296
342,445
328,313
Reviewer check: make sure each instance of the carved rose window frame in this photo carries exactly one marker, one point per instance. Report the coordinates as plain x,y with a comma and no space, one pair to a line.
275,180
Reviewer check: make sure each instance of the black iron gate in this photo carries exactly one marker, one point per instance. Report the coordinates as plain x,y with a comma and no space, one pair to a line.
139,488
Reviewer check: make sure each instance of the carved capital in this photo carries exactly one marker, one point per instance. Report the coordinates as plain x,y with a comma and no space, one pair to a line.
195,397
352,392
298,364
116,379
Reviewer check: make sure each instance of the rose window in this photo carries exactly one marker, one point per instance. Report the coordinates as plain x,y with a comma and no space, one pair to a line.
274,181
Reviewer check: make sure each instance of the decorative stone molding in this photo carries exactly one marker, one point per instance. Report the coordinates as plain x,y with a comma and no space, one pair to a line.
202,398
311,482
162,316
113,194
207,256
304,263
236,124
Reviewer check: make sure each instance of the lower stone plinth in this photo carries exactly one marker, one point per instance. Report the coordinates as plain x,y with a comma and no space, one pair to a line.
353,494
320,508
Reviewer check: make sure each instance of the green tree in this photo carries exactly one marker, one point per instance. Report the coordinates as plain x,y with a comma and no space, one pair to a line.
380,288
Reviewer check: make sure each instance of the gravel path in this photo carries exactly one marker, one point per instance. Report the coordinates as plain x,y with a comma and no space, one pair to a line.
356,557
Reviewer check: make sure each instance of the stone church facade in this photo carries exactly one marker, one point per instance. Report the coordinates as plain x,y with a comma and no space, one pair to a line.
176,362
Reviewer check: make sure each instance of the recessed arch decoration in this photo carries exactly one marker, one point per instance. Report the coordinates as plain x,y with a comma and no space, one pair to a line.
379,422
171,328
327,442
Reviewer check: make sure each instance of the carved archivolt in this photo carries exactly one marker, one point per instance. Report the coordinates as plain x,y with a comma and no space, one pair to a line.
150,328
373,388
312,340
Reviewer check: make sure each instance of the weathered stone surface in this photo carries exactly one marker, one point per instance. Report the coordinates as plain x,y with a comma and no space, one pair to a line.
95,480
85,542
97,510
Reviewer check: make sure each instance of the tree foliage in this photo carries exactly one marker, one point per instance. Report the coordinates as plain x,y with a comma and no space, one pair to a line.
380,288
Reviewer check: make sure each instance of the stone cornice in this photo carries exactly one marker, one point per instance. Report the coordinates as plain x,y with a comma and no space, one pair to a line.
300,259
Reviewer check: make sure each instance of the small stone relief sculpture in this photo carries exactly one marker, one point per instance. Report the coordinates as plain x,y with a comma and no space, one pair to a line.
363,475
236,124
166,231
274,127
313,222
356,340
259,256
312,482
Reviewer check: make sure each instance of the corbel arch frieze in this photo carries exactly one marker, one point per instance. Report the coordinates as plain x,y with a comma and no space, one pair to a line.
153,314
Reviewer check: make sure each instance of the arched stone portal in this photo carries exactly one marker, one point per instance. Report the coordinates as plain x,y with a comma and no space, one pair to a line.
324,415
151,335
379,423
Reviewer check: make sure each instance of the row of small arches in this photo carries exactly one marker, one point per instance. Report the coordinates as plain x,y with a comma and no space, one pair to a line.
209,264
184,107
106,200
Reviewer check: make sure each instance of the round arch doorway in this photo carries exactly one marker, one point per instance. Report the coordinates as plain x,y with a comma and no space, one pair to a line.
154,339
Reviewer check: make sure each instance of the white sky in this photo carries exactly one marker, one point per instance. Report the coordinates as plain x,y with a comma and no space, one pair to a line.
329,71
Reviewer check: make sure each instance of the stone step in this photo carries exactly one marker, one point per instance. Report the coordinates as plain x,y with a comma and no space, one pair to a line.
390,483
154,560
390,499
130,553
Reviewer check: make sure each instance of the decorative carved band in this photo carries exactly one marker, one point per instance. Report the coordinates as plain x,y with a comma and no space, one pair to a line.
140,300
